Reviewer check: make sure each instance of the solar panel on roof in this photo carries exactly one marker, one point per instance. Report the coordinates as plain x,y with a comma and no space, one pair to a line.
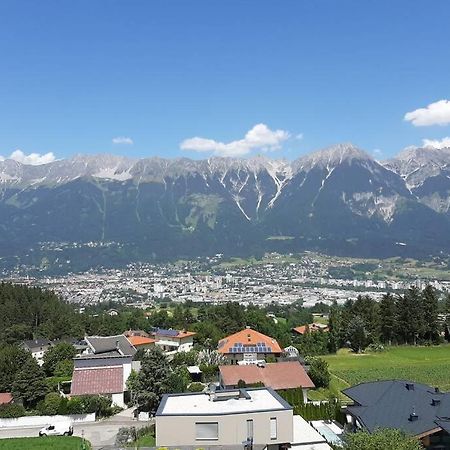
169,333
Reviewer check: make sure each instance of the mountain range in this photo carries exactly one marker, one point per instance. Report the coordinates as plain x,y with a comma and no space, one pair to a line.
104,209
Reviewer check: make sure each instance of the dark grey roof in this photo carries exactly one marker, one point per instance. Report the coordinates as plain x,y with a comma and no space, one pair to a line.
36,344
110,345
389,404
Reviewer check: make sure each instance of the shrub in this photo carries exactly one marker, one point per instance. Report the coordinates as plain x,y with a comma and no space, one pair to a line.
51,404
324,411
318,371
196,387
74,406
209,372
12,411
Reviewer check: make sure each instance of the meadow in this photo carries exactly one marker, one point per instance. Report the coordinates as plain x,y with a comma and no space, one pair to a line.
429,365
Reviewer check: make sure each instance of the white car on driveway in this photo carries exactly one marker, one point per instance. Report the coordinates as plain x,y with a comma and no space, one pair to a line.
57,429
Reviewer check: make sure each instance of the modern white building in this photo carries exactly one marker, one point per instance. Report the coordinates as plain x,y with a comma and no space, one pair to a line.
227,418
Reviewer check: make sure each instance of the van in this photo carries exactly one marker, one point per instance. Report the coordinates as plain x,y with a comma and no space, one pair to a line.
57,429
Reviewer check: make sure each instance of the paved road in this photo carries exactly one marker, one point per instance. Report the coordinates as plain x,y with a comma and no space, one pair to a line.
102,433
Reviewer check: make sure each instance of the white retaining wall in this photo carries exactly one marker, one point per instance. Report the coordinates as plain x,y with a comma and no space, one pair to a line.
40,421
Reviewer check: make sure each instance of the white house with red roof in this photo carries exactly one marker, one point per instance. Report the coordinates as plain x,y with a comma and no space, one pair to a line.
173,341
249,346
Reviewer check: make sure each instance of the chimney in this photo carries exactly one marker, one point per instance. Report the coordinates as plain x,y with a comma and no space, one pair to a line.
413,416
435,402
436,389
410,386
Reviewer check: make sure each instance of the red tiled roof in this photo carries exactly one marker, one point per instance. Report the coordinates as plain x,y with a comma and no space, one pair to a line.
97,380
300,330
248,338
283,375
5,398
136,341
310,328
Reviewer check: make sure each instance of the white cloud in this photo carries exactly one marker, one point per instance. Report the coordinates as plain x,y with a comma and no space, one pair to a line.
437,113
377,151
33,159
436,143
122,140
260,137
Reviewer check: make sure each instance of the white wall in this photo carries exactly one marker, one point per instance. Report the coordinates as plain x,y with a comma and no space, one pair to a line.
34,421
118,400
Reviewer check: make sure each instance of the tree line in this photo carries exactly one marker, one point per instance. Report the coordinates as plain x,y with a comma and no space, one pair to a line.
410,318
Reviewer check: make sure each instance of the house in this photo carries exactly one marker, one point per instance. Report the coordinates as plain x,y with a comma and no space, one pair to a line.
79,344
37,348
310,328
130,333
225,418
117,345
143,342
172,341
105,374
104,368
6,398
248,346
417,409
278,376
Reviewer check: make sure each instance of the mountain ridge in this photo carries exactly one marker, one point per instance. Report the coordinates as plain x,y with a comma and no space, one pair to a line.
339,200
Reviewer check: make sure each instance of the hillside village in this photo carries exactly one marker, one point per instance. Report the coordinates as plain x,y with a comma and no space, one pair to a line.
247,390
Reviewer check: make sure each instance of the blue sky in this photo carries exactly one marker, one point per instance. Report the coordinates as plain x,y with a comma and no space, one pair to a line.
74,75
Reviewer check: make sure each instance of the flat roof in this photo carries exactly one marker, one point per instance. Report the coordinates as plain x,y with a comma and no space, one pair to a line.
200,404
306,437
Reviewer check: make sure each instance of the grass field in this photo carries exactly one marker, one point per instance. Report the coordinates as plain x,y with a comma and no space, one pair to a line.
429,365
47,443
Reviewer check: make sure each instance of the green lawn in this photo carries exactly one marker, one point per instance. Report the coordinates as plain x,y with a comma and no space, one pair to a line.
45,443
148,440
334,390
429,365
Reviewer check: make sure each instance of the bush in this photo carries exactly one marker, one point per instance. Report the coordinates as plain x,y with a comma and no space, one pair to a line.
375,347
12,411
64,368
318,371
74,406
292,396
209,372
324,411
196,387
51,404
97,404
125,436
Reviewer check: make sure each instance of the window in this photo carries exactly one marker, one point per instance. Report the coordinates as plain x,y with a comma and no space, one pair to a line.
250,429
273,428
207,430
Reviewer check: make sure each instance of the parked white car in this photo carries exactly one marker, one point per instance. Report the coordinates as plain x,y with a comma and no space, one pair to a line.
57,429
